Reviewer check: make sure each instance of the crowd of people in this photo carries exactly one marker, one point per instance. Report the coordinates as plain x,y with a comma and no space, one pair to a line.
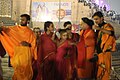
69,56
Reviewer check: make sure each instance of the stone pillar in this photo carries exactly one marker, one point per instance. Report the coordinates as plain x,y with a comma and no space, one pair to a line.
15,10
20,7
28,6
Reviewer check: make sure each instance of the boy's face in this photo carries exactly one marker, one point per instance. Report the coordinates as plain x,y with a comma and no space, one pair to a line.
23,21
37,31
83,25
69,26
97,19
51,28
64,35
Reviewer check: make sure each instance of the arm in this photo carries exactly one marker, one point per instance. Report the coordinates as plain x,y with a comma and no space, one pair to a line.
7,29
72,43
102,29
106,31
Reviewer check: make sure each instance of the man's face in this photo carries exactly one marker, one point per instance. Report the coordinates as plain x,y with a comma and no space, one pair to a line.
23,21
97,19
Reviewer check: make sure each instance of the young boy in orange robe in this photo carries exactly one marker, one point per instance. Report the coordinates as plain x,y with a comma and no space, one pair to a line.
105,45
86,49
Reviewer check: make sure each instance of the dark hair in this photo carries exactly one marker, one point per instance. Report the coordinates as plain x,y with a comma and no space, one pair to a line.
47,24
88,21
26,15
62,31
66,23
36,28
99,14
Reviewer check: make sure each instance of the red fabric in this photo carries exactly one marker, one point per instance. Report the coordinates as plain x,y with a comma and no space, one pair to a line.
73,51
86,48
81,53
46,47
82,49
63,64
75,37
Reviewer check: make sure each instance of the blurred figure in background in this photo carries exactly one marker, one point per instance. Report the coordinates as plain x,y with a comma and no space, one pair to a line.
37,32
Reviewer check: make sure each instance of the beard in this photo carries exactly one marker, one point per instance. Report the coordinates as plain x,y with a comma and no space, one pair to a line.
23,24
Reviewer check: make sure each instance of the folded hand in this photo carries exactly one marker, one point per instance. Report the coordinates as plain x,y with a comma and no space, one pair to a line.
24,43
95,27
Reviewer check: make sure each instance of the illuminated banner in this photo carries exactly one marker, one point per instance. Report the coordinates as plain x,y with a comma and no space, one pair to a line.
49,11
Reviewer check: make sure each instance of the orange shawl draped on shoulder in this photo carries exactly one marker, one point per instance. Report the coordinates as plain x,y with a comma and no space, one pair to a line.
12,37
108,41
21,56
108,44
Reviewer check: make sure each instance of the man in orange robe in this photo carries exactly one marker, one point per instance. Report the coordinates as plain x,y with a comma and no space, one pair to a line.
86,48
46,53
20,44
105,44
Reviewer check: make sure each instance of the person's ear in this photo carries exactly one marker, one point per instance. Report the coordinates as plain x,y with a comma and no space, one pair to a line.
102,18
28,22
47,28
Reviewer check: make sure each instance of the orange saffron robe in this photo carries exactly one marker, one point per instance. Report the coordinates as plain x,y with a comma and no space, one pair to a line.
11,38
86,48
104,58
